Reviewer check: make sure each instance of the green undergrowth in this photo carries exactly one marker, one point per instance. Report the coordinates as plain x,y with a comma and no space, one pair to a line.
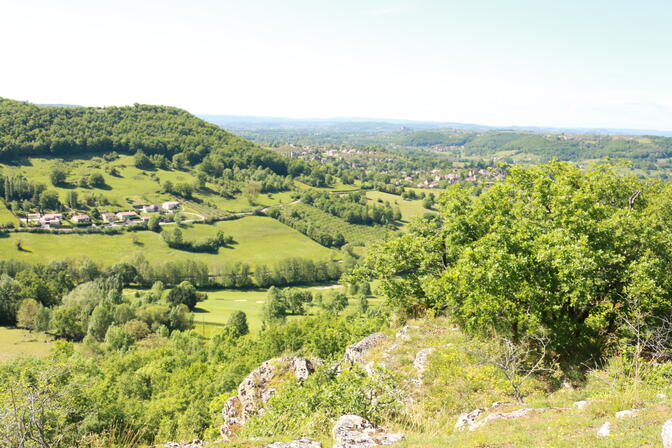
456,380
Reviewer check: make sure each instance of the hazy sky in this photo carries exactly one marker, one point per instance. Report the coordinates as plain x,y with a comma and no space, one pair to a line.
528,62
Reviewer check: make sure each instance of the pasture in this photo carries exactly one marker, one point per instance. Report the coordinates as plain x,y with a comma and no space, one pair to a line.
257,240
15,342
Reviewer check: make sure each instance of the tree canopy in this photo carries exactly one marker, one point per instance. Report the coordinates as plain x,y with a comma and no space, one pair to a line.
552,249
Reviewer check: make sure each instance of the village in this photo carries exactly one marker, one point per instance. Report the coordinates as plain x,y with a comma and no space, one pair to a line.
120,218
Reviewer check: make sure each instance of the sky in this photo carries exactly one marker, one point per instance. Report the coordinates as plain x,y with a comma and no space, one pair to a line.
569,63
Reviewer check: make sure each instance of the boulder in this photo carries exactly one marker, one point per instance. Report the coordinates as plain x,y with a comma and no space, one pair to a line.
582,404
666,434
605,430
352,431
355,353
303,442
467,420
506,415
258,387
628,413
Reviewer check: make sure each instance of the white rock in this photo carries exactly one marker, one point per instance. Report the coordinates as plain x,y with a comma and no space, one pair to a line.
604,430
666,434
352,431
467,420
303,442
403,333
506,415
628,413
582,404
356,352
661,396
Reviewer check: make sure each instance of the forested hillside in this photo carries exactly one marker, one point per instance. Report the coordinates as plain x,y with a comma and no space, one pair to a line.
545,146
27,129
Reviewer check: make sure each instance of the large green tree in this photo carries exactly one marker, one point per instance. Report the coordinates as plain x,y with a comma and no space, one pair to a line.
552,249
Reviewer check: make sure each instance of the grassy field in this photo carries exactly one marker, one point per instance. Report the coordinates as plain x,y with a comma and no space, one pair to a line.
15,342
5,215
257,240
132,186
211,314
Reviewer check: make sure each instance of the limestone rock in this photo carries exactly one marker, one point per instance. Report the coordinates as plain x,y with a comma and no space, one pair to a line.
605,430
303,442
506,415
628,413
467,420
403,333
666,434
257,389
355,353
582,404
196,443
352,431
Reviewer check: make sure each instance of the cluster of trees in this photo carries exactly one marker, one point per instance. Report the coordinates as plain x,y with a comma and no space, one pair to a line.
58,177
93,309
551,251
22,194
296,219
174,239
352,207
283,302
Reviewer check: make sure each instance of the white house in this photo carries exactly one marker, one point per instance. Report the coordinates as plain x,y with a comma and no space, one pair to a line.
170,205
108,217
151,208
125,216
80,219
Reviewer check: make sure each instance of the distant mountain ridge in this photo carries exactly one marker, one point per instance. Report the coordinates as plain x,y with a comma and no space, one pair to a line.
247,122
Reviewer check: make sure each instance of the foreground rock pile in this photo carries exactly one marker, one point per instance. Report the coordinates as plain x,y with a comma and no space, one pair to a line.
259,386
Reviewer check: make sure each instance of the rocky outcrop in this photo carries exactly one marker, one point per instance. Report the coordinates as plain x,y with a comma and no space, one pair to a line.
467,420
506,415
259,386
666,434
605,430
303,442
194,444
352,431
355,353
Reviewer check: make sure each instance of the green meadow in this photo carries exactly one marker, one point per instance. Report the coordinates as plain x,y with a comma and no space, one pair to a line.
131,186
17,342
257,240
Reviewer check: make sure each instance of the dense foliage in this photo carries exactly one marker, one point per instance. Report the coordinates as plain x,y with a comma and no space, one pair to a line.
167,388
27,129
551,250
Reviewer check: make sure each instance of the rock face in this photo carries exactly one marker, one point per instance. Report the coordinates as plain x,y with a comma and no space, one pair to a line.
666,434
506,415
355,353
258,387
352,431
467,420
303,442
605,430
